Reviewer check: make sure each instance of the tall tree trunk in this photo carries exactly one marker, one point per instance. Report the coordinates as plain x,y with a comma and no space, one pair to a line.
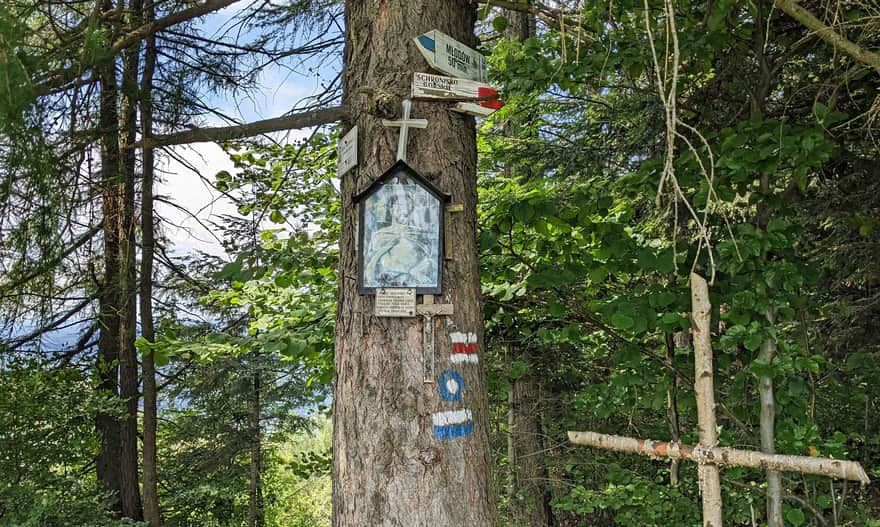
107,467
106,464
128,366
255,509
151,477
768,347
768,401
704,389
529,493
530,503
389,468
768,433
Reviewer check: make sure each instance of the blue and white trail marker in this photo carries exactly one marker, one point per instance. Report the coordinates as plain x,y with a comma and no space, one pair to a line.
452,424
450,386
450,56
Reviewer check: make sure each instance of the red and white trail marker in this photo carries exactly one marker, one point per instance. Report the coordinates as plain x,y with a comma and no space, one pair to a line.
464,347
427,86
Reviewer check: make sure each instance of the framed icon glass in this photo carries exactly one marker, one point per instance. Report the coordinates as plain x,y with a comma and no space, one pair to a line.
401,233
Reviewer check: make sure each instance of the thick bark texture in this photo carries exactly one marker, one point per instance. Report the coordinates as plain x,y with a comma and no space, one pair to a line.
390,466
701,317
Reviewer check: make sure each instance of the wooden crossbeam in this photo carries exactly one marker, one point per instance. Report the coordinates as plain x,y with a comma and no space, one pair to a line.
724,456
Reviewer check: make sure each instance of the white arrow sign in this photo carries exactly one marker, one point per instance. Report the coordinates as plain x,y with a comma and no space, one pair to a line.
427,86
450,56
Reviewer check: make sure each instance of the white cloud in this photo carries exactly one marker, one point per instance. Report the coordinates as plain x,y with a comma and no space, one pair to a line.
192,192
282,91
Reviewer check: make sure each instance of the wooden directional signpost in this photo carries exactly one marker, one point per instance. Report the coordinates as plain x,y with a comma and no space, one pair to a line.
476,98
469,73
450,56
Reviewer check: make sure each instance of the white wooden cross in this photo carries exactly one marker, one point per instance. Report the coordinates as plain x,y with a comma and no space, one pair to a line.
405,123
707,454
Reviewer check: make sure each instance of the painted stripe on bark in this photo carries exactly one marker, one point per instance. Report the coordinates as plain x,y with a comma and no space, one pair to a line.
452,424
450,386
464,347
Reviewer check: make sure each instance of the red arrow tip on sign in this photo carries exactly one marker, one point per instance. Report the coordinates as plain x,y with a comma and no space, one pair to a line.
494,103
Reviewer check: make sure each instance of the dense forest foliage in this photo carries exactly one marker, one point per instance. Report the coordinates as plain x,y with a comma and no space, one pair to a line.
639,141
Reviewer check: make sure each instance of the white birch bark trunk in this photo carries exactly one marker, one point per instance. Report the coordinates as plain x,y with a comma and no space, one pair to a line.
710,480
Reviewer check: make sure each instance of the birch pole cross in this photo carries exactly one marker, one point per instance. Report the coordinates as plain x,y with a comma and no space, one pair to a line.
708,454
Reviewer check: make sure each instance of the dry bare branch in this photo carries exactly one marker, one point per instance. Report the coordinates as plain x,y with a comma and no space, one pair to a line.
225,133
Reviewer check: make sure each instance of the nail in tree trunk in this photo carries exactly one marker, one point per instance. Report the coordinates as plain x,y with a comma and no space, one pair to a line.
390,468
701,316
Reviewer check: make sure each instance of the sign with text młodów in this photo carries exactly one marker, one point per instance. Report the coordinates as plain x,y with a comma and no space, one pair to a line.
450,56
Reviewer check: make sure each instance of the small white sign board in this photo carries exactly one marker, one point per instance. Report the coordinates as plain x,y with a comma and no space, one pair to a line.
396,302
450,56
347,152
